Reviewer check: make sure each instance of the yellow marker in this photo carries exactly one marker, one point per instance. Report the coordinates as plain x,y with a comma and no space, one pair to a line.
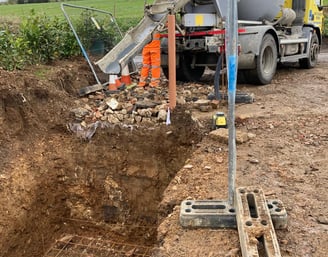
219,120
199,20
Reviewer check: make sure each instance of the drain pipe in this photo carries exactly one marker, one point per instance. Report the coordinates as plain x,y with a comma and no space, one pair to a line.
231,38
172,60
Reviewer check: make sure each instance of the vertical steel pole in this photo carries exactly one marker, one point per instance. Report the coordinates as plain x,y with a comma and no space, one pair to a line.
172,62
231,38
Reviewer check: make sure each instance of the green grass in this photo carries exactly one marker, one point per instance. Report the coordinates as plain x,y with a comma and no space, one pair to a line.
119,8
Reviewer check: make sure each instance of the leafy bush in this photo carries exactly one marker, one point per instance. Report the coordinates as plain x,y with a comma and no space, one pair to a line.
13,50
40,39
48,39
126,24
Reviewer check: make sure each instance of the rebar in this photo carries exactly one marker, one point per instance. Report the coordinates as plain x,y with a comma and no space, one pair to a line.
80,246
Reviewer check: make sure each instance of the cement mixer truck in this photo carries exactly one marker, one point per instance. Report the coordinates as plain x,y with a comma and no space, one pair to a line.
270,32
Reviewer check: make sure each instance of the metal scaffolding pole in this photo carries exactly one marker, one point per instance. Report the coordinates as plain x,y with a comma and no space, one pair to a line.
231,44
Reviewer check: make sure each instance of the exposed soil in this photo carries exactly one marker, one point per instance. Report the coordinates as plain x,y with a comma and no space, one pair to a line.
126,186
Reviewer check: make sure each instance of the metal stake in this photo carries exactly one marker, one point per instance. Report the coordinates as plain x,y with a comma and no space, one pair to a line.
231,38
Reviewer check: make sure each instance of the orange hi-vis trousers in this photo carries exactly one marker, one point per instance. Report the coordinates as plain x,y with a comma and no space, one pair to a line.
151,61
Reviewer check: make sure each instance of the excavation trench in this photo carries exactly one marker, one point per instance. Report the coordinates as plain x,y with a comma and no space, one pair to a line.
95,198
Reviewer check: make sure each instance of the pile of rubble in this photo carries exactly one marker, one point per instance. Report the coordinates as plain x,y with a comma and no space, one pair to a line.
139,106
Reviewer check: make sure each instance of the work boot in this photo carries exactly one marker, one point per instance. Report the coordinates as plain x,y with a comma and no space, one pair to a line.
154,84
142,82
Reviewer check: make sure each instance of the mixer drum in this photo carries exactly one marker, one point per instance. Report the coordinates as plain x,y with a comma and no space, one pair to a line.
251,10
259,10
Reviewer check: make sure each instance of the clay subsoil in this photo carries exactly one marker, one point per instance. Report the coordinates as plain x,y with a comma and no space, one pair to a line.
127,184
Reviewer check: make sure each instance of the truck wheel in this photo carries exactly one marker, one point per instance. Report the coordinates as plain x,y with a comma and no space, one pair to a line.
266,62
242,77
311,61
188,73
178,74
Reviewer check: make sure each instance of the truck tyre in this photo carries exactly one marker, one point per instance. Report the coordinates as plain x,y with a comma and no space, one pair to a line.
242,76
178,71
185,73
312,59
266,62
178,74
188,73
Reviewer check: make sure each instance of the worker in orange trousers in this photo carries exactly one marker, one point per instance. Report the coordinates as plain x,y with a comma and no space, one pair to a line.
151,62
